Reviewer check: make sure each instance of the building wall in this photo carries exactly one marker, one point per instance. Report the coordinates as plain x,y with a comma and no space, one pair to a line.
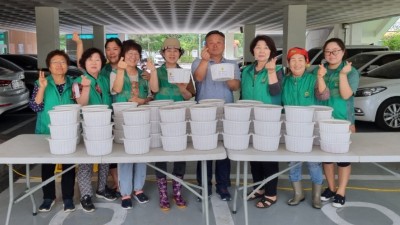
21,42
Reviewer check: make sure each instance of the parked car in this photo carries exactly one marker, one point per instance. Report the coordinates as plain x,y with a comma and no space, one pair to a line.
378,97
368,61
316,55
13,93
30,66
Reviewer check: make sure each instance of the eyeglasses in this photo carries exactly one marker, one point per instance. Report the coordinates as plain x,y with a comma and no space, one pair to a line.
334,52
58,62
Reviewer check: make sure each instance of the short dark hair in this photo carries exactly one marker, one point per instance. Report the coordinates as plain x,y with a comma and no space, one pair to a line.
131,45
215,32
268,40
339,42
54,53
88,53
116,40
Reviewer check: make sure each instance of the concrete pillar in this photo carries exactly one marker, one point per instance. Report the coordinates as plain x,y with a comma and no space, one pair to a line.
99,37
337,32
294,28
355,34
47,32
229,42
249,32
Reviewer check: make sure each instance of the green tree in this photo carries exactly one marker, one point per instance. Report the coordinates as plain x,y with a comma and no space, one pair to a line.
392,41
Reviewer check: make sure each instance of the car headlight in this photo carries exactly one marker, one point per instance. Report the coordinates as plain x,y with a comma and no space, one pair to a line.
368,91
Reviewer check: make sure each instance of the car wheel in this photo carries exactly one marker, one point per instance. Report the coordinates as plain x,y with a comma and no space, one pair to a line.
388,115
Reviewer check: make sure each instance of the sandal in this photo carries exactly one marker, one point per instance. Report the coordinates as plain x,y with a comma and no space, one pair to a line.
255,196
264,203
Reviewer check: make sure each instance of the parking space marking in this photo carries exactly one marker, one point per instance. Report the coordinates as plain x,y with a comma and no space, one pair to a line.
221,211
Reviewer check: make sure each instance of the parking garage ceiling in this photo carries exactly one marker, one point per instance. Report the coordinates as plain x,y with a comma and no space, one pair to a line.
189,16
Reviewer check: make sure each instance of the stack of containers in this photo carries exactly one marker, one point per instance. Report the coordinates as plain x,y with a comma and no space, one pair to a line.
203,125
136,130
252,103
173,127
187,105
118,119
267,127
155,128
64,126
220,111
236,126
335,135
320,113
97,129
77,109
299,128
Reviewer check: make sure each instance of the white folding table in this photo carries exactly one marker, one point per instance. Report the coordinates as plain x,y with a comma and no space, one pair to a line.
34,149
365,147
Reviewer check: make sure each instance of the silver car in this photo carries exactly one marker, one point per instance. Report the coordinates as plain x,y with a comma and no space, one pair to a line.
368,61
13,93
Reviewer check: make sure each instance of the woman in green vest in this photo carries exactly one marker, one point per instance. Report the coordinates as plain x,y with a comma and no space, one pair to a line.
48,92
302,89
127,84
262,81
89,89
171,51
342,80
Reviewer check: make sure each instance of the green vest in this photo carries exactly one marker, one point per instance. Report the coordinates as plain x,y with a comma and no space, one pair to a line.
52,98
299,90
125,94
342,109
167,90
104,84
106,71
257,88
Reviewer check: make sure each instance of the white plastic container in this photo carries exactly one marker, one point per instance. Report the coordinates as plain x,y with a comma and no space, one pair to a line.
136,116
203,112
299,129
333,147
155,127
69,131
178,75
213,101
334,126
118,107
205,142
173,129
76,107
222,71
264,143
93,107
266,112
161,102
99,148
299,114
118,122
137,146
174,144
266,128
236,142
299,144
172,114
63,117
98,117
203,127
154,112
63,146
155,140
249,102
237,112
322,112
118,136
187,105
136,131
335,137
94,133
236,127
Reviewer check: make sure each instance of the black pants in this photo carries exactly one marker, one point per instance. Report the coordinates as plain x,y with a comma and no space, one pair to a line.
222,173
178,170
262,170
67,182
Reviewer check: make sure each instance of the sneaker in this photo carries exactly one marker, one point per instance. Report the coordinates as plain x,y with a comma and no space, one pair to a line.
141,198
199,199
69,205
87,204
338,201
46,205
224,194
327,195
106,194
126,203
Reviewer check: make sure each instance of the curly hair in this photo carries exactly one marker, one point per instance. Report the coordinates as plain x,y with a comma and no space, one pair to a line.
88,53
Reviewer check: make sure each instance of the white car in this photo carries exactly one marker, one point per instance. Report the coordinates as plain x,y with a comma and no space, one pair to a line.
368,61
378,97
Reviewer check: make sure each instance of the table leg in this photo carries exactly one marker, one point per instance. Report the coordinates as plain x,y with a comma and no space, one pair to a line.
205,189
11,190
246,215
28,186
237,186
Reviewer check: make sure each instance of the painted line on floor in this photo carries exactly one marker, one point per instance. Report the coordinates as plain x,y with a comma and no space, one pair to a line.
16,127
221,211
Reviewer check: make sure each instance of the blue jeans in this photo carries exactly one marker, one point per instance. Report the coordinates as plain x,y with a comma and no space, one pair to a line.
222,173
129,173
314,169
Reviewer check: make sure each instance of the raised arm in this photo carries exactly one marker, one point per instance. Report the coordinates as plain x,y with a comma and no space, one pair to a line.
201,71
79,47
118,83
153,82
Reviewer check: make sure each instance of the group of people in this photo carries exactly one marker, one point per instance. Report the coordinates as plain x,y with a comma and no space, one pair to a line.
116,77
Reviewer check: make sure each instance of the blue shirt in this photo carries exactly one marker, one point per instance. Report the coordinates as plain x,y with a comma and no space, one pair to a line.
208,88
